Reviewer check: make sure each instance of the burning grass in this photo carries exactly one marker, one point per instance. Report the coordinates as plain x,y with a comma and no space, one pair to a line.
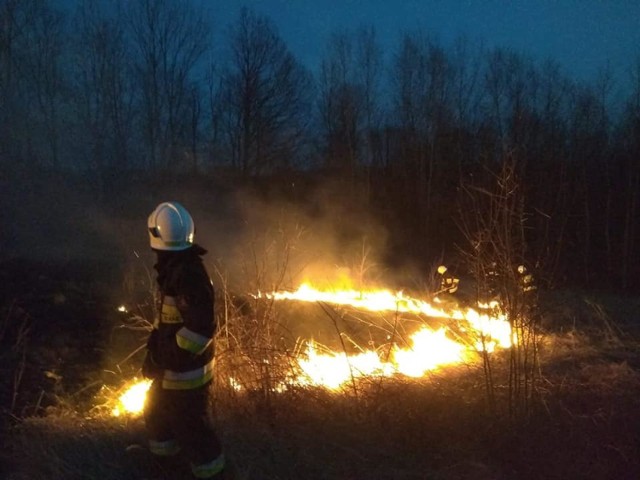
436,427
276,421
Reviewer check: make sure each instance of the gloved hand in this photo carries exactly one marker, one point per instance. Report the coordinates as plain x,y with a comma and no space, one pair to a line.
150,369
152,340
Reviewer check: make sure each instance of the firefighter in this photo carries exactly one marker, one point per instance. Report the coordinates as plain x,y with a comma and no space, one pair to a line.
525,280
527,287
448,283
180,351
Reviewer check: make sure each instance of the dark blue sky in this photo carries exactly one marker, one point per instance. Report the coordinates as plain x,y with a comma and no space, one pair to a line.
582,35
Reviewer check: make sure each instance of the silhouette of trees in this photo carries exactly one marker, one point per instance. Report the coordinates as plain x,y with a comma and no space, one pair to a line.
12,33
170,39
32,84
109,88
263,99
104,90
349,101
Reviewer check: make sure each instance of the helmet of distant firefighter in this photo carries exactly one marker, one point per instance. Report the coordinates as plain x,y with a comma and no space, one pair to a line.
170,227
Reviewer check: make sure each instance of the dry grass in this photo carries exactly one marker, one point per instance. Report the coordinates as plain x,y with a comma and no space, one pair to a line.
585,426
584,423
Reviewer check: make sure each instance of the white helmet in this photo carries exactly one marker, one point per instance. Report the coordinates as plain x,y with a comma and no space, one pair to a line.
170,227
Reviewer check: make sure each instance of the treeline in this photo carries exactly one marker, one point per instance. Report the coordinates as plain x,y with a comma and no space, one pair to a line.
112,88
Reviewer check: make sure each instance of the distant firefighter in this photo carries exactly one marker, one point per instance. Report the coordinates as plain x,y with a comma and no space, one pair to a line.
525,280
492,281
448,282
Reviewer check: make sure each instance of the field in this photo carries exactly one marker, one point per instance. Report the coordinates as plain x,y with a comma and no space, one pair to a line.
65,349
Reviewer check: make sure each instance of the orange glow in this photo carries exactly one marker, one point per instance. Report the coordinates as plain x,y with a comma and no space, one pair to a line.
492,327
131,401
427,351
485,329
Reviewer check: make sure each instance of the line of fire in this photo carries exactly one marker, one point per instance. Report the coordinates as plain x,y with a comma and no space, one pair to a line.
379,333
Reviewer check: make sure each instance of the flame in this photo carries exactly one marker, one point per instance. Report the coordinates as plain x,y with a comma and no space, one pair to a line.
492,326
426,350
131,401
430,350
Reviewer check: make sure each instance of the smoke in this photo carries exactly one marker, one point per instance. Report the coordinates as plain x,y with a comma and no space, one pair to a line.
276,238
260,237
54,218
271,234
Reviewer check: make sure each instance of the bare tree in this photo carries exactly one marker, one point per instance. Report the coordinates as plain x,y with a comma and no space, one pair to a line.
104,88
510,91
370,68
195,108
341,105
549,177
494,220
41,75
263,98
627,182
424,99
13,24
349,101
170,38
604,86
16,20
466,65
586,139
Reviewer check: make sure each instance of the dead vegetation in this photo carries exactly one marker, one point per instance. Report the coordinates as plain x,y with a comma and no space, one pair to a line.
582,396
583,424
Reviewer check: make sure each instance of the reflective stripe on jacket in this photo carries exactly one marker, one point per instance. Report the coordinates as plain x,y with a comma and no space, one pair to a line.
186,380
192,345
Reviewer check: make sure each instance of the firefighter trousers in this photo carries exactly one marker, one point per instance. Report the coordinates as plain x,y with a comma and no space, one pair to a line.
178,420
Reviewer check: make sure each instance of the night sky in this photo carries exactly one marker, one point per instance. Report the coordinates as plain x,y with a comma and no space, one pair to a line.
583,36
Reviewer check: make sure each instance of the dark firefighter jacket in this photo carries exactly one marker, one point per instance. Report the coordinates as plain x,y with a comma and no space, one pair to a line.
180,347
